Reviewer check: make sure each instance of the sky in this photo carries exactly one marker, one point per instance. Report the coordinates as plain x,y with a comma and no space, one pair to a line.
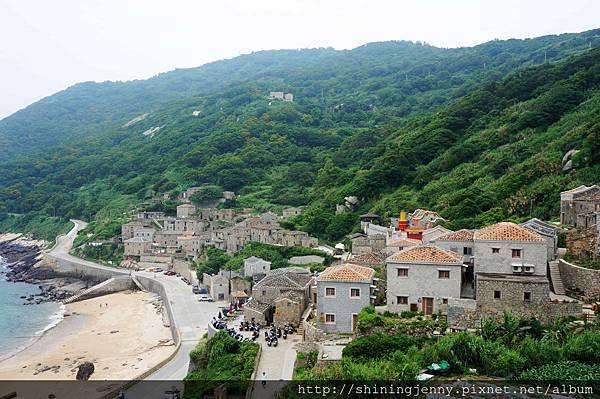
46,46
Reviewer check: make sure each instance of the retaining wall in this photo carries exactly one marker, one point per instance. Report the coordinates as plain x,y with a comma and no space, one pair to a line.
79,270
157,288
580,282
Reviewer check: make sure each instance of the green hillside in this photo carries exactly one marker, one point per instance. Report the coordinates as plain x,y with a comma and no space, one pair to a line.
475,133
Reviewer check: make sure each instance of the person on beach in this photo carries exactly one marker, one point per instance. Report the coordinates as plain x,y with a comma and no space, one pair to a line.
264,379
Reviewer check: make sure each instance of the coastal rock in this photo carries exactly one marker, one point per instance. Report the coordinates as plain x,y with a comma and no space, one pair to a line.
84,371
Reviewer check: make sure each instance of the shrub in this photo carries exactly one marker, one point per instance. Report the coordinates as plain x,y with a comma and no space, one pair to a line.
368,318
377,346
584,347
541,352
497,360
462,351
562,371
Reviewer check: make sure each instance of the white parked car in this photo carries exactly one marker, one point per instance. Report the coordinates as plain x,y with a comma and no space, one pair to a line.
204,298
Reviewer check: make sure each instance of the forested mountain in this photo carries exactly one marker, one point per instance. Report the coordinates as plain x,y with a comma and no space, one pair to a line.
475,133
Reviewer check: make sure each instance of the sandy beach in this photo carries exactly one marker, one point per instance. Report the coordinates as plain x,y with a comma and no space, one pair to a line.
123,334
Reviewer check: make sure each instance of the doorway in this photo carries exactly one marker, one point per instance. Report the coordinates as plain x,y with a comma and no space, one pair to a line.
427,306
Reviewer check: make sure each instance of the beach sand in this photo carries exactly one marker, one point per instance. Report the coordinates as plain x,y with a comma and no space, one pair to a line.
123,338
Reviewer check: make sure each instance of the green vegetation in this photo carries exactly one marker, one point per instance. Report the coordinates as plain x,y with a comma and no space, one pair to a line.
206,193
216,259
40,226
587,263
220,360
511,348
476,133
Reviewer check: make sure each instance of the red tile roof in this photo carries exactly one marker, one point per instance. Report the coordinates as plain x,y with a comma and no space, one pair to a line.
506,231
347,272
427,254
368,259
403,242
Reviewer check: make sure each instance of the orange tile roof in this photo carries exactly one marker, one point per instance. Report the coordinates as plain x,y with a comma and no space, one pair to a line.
403,242
426,253
506,231
460,235
347,272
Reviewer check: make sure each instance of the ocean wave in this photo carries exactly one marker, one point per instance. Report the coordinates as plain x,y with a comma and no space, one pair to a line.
54,319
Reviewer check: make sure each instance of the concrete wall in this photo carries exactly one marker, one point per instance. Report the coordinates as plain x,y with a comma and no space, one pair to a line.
486,261
584,283
183,268
119,284
79,270
157,288
342,305
422,281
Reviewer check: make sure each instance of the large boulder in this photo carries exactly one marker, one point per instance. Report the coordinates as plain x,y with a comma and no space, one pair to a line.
85,370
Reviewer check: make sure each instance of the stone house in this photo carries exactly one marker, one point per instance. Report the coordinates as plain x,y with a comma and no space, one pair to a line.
524,296
127,229
460,241
185,211
137,246
191,245
144,232
362,244
167,238
508,248
289,307
217,285
261,312
433,233
238,283
342,292
368,260
254,265
546,230
423,278
279,284
280,280
150,215
290,212
578,202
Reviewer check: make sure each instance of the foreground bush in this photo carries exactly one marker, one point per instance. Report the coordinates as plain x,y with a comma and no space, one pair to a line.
562,372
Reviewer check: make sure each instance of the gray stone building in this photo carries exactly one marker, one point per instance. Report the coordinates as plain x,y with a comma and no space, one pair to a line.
127,229
342,292
185,210
508,248
431,234
398,244
578,202
254,265
290,212
460,241
546,230
423,278
144,232
137,246
363,244
217,285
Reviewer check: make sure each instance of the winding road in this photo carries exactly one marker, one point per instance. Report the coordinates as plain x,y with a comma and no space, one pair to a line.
190,318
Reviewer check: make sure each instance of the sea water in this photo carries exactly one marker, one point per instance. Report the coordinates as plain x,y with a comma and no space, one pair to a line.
21,325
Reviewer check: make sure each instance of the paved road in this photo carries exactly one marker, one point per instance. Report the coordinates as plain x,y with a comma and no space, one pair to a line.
190,316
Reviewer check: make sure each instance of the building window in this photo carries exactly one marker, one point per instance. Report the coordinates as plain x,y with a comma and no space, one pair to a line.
402,300
516,253
330,292
264,292
467,251
495,250
444,301
443,273
497,295
402,272
329,318
354,292
527,296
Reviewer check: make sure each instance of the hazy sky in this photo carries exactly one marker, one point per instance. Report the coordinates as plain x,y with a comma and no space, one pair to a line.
48,45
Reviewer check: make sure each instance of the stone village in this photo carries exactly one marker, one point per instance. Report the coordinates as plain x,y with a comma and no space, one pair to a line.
462,275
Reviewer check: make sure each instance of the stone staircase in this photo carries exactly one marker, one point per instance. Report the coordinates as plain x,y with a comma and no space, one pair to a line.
84,293
557,283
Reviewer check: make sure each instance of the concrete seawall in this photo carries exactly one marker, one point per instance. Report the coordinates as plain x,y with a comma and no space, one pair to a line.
157,288
79,269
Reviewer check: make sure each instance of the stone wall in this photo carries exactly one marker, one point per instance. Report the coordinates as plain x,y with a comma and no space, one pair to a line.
580,282
183,268
462,313
512,291
80,269
157,288
583,243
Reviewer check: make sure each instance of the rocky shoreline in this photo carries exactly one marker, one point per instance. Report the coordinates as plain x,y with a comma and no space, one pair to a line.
22,256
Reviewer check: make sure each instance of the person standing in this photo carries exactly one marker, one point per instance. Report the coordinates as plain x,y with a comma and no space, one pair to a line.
264,379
